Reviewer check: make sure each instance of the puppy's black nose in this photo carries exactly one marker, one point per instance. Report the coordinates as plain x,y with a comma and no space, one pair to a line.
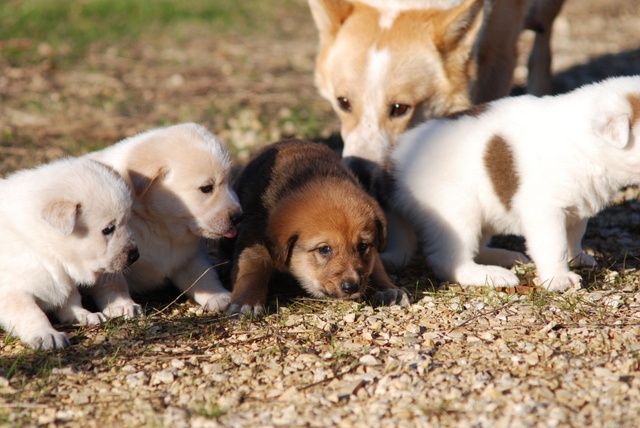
236,218
132,256
350,287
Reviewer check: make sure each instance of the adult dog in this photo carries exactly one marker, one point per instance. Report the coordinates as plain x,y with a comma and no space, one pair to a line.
386,65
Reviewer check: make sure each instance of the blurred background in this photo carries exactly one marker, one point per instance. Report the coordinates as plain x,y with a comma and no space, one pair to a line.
76,76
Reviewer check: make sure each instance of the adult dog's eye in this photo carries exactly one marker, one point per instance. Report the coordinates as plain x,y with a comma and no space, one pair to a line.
206,189
363,247
109,230
344,104
398,110
325,250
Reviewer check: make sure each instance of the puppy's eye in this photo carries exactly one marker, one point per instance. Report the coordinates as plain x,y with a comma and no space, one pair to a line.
398,110
344,104
109,230
325,250
206,189
363,247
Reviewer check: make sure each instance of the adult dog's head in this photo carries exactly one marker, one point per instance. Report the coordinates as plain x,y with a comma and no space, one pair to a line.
384,66
327,234
180,177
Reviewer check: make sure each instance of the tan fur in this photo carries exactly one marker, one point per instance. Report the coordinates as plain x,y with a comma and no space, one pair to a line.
473,111
305,214
499,162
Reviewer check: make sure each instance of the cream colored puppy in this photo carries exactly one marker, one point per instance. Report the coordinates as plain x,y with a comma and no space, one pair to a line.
62,224
538,167
179,177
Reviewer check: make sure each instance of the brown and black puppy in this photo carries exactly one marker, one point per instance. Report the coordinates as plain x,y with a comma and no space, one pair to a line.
305,214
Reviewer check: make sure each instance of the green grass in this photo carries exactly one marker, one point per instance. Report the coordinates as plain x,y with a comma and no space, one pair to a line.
70,26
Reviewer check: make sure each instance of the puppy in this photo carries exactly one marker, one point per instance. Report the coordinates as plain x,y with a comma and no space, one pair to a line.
179,177
538,167
62,224
306,215
387,65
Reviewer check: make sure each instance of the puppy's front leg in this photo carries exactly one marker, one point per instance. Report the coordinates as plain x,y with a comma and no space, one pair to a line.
577,257
546,236
21,316
111,294
251,281
382,290
72,311
199,280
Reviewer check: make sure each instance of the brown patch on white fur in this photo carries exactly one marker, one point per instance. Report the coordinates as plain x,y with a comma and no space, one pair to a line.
500,165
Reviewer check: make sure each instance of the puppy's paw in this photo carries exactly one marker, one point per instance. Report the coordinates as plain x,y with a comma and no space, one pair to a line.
487,276
562,282
583,260
391,296
218,302
91,318
49,339
127,309
237,310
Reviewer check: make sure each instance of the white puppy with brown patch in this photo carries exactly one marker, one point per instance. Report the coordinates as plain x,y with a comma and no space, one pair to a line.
179,177
62,224
538,167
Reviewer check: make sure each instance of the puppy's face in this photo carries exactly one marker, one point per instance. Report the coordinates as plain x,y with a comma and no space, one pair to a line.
91,222
327,236
181,176
383,71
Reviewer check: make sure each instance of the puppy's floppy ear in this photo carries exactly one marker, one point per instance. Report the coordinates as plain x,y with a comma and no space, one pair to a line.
62,215
143,172
381,227
280,248
329,15
613,129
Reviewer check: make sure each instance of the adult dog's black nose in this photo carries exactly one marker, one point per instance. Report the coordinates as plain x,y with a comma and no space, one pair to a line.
350,287
132,256
236,218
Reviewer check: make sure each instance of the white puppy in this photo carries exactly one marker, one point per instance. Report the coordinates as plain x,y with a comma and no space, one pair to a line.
538,167
179,177
62,224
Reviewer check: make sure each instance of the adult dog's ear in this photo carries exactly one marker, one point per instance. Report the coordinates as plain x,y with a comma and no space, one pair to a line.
329,15
62,215
458,29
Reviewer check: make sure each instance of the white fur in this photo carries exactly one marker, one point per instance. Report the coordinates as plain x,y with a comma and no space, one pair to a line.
368,140
171,215
572,153
51,222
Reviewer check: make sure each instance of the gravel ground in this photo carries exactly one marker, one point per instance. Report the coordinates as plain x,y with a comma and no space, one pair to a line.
456,357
